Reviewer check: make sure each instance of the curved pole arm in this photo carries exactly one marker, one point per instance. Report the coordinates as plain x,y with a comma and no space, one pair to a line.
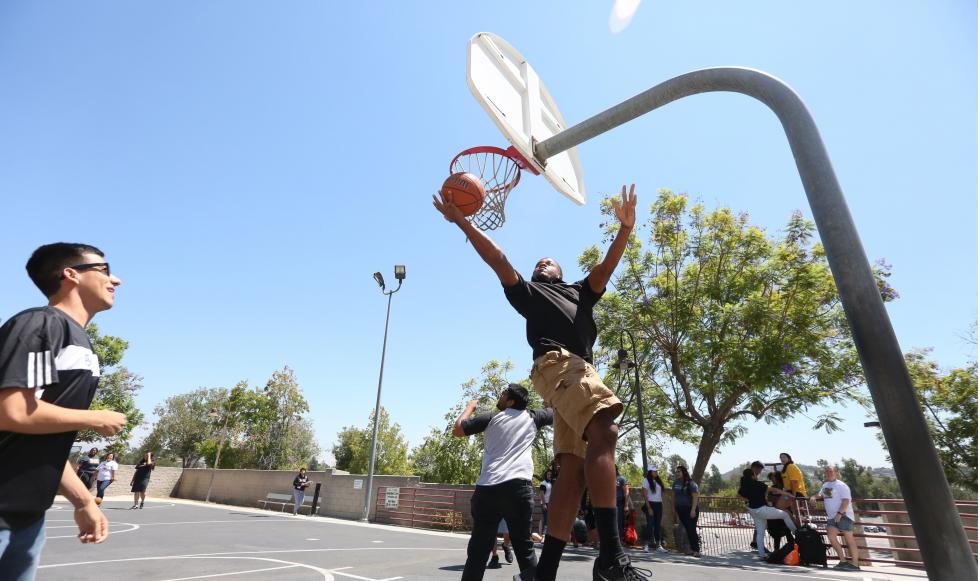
942,541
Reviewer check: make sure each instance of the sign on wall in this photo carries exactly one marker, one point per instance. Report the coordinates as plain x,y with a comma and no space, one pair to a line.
391,497
358,484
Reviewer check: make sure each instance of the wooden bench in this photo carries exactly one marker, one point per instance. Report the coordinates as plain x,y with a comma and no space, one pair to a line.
284,500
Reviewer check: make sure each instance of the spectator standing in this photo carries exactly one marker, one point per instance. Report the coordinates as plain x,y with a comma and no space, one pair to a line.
622,506
836,497
141,480
653,508
87,467
686,496
755,492
300,483
107,475
545,490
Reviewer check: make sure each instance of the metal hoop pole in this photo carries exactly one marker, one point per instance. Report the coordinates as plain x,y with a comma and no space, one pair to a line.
945,549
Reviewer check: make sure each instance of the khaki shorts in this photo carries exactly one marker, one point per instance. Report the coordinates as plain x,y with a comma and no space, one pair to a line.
576,393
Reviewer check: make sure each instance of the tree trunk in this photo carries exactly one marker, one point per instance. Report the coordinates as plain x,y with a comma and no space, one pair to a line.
709,441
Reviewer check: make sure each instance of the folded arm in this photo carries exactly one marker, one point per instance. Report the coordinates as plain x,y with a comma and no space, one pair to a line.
21,412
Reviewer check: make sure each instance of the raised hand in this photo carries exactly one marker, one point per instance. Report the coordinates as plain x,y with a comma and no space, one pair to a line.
449,211
625,207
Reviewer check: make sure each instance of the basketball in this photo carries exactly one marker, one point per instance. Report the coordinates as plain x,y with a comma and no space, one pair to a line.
98,500
465,191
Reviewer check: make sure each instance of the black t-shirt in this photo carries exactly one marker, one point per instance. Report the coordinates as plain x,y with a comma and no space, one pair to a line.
300,482
47,352
753,490
142,472
89,465
559,315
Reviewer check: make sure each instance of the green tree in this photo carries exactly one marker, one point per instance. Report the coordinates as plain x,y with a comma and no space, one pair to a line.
353,448
731,326
278,434
183,424
714,483
117,390
446,459
949,404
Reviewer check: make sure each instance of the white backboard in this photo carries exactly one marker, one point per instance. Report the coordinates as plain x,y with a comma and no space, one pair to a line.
509,90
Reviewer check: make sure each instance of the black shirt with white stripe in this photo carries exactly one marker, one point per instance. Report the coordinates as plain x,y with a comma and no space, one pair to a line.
48,352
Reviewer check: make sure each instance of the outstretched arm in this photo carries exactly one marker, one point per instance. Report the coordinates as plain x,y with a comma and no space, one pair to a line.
484,246
625,210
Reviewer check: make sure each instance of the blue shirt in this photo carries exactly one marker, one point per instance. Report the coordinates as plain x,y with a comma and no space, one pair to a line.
682,498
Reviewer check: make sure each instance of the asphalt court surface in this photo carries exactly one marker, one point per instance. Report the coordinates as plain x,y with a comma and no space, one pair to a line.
178,541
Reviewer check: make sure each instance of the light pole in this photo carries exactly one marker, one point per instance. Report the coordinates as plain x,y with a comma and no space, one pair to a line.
217,456
399,276
624,365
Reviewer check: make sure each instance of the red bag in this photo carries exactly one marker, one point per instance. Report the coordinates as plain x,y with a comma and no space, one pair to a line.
793,558
630,533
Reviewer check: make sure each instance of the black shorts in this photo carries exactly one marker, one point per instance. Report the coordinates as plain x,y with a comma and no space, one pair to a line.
140,486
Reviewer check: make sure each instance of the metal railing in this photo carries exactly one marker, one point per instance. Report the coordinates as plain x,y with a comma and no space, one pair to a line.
881,528
446,509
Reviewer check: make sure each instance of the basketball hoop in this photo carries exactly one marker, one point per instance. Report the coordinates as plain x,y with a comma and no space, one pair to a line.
500,171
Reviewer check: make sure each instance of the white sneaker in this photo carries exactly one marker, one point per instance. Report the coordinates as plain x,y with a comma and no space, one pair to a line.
646,549
662,549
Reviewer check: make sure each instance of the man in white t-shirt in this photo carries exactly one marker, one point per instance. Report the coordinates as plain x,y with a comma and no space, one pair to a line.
107,475
840,517
504,488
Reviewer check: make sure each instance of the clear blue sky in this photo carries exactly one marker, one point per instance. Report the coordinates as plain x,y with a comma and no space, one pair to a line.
247,166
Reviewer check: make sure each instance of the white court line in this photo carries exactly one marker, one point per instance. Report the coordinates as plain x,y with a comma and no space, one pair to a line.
352,576
237,553
232,573
111,532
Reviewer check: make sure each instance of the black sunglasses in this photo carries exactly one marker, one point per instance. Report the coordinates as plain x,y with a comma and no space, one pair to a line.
93,266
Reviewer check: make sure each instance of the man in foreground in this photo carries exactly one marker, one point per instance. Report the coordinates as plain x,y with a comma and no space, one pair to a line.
561,330
48,377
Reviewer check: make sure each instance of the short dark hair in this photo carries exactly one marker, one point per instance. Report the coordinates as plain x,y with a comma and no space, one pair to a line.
46,263
518,395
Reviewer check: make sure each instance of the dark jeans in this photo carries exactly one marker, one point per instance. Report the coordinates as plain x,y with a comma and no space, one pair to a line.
86,478
100,487
621,519
512,501
690,525
654,521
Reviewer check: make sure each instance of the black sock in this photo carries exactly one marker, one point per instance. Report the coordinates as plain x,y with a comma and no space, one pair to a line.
608,529
551,552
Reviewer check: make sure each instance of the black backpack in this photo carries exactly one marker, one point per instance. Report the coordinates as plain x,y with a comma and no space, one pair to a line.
812,549
776,557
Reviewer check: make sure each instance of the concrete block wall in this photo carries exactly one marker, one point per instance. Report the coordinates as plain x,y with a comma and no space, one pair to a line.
163,481
341,494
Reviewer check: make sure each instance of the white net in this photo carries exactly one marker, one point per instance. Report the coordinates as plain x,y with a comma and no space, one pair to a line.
499,173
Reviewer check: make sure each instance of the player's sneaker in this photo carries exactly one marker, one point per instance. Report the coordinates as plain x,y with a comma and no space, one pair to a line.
508,554
622,569
526,574
494,563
